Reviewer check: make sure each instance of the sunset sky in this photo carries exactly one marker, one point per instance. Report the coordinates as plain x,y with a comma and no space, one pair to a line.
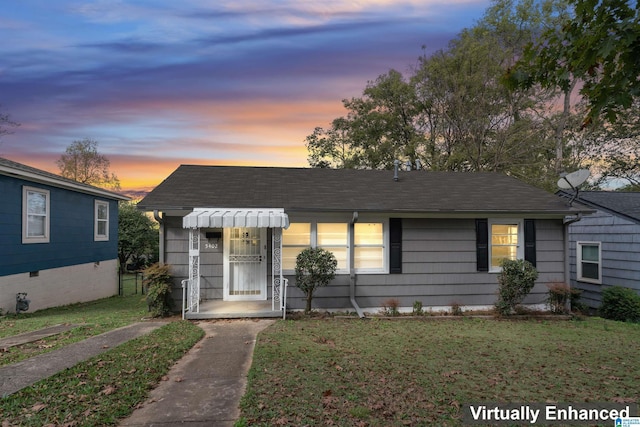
159,83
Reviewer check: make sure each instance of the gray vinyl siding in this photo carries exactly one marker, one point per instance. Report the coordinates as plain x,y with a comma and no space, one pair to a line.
177,256
211,260
620,253
438,268
176,247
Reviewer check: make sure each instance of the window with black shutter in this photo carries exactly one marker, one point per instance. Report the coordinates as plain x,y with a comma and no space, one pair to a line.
497,239
482,244
395,245
530,241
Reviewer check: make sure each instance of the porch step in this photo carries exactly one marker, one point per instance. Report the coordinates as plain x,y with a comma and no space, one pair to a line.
233,315
219,309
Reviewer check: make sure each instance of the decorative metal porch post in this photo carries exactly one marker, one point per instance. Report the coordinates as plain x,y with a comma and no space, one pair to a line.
276,271
193,297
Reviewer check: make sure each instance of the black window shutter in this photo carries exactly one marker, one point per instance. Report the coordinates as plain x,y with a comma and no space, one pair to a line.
530,241
482,245
395,245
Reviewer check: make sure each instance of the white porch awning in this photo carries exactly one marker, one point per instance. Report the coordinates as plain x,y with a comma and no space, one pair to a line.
226,218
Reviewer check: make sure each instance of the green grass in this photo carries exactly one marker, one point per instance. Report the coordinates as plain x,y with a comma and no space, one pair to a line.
94,318
405,372
101,390
105,388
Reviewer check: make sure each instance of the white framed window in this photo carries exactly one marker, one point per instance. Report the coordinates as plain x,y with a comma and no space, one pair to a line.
370,250
35,215
505,241
589,262
295,239
101,223
369,247
334,237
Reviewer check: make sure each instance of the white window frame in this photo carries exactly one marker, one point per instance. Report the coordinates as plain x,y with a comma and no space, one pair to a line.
25,216
299,247
579,262
347,269
520,245
96,209
385,248
346,246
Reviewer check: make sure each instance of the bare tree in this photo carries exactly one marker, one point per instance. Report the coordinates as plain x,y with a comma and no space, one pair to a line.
6,124
81,162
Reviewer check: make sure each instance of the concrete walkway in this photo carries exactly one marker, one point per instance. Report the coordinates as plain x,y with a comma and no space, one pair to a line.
19,375
204,388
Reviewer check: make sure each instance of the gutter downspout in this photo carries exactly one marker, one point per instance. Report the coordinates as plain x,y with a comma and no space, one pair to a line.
567,221
352,273
157,217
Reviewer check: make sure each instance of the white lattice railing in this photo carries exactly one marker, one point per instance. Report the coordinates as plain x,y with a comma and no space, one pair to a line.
283,300
279,301
190,297
279,283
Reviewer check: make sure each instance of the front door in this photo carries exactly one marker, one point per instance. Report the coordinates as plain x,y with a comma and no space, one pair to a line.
245,264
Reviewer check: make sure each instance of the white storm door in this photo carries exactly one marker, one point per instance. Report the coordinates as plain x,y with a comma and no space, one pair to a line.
245,264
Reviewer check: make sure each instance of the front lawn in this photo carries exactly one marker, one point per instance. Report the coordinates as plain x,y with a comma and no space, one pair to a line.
105,388
348,372
92,318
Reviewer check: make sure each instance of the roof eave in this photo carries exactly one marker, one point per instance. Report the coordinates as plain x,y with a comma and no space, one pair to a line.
424,212
34,177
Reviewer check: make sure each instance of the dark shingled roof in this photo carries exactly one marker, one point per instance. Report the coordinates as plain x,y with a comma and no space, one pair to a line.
626,204
305,189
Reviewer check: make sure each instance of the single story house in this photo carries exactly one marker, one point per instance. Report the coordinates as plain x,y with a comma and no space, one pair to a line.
232,234
59,239
605,246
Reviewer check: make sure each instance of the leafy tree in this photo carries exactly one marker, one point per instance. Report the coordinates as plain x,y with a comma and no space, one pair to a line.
475,122
380,127
331,148
315,267
452,113
598,42
81,162
137,237
612,150
455,112
472,122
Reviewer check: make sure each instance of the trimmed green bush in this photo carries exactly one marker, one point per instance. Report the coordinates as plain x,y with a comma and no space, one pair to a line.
560,294
315,267
620,303
159,283
417,308
515,282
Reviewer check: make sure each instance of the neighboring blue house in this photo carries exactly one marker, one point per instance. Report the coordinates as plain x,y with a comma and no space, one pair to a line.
605,246
59,238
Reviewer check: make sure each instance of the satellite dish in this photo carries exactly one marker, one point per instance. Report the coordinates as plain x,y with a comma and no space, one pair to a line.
574,179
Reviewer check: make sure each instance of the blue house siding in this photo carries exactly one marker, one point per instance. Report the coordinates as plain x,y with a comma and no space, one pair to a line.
71,230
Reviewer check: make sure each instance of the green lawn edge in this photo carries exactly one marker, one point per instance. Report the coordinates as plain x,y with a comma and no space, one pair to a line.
345,372
105,388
